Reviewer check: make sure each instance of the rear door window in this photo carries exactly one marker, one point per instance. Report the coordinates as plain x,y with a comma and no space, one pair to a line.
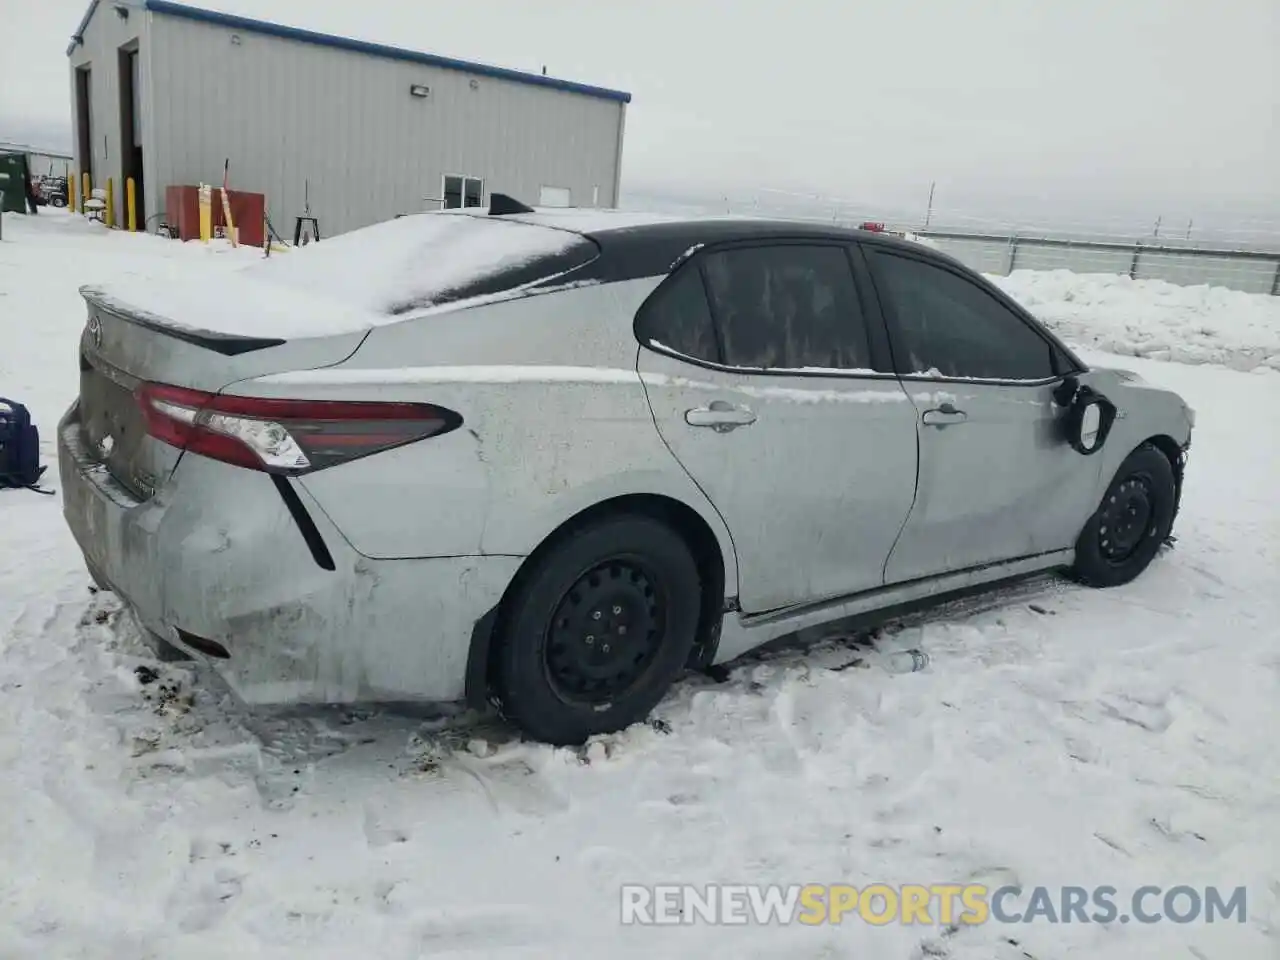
947,326
787,307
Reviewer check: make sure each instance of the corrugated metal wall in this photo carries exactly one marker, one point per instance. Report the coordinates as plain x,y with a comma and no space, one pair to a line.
104,35
287,112
49,164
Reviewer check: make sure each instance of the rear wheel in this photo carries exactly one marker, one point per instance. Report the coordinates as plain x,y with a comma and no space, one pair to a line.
1134,519
595,633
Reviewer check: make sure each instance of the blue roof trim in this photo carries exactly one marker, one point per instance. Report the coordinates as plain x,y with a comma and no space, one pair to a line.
362,46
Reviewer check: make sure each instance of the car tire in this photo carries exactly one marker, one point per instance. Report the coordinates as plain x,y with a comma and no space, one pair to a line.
597,629
1134,519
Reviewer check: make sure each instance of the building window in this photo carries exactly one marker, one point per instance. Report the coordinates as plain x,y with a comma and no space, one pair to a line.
463,192
555,197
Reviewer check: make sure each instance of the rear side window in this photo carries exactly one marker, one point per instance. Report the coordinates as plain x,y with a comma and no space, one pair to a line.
789,306
950,327
677,318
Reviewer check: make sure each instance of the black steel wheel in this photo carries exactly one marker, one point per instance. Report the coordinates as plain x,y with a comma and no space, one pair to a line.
1127,517
606,631
1135,517
596,628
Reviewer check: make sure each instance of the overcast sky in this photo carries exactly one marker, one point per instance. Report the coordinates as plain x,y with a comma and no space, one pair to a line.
1091,108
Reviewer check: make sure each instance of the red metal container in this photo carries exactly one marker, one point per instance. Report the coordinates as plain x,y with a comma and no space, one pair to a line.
182,211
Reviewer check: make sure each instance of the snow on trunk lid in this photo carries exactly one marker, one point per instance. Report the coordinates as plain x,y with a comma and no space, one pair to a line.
358,280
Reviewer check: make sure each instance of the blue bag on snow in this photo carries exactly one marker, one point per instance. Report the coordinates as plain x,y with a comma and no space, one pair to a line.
19,447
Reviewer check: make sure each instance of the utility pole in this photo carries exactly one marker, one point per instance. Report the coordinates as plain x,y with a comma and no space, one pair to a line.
1156,232
928,214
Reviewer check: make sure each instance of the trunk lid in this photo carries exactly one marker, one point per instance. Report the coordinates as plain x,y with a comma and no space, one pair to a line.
128,340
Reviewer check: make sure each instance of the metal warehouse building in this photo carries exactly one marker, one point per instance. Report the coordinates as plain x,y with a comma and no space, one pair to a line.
164,93
52,163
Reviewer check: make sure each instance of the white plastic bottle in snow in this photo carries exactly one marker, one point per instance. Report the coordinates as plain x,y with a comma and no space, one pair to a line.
906,661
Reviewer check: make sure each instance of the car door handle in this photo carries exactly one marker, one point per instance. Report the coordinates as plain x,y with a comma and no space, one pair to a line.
720,416
943,416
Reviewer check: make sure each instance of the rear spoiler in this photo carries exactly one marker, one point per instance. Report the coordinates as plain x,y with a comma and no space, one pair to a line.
227,344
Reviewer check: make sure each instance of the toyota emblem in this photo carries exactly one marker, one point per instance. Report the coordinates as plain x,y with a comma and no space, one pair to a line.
95,330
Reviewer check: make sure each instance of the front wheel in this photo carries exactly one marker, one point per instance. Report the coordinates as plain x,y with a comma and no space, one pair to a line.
597,630
1134,519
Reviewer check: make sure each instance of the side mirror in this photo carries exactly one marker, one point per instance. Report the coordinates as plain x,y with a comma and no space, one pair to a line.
1090,426
1089,421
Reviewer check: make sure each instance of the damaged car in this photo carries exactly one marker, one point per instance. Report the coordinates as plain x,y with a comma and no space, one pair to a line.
550,460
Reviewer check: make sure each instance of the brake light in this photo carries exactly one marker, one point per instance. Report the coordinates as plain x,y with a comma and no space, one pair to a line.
285,436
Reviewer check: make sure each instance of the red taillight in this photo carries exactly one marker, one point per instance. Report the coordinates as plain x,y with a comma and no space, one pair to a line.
285,436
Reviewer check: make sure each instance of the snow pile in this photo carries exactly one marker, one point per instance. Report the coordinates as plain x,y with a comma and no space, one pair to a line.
1152,318
1055,736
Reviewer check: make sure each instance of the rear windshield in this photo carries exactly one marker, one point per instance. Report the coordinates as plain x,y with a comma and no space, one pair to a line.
427,260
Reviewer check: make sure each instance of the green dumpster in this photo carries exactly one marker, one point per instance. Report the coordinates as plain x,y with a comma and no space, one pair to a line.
13,182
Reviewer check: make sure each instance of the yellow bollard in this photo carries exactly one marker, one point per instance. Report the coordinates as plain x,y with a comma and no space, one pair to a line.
111,204
131,204
88,189
73,193
206,213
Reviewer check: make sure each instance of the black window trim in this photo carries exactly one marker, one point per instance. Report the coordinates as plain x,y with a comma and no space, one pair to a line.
877,332
1075,365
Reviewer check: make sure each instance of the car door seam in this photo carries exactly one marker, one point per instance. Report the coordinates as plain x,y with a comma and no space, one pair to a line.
915,493
653,418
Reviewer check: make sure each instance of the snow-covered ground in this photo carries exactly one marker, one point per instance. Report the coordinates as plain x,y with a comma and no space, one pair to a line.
1059,736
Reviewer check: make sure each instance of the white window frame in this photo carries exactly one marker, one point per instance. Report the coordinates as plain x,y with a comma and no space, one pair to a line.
465,178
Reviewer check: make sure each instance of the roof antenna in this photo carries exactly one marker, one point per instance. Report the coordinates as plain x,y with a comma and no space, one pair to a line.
501,205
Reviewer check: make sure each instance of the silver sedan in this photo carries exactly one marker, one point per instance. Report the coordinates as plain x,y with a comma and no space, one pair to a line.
550,460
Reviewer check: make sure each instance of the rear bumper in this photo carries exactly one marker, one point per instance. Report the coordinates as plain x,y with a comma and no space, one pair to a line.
217,554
